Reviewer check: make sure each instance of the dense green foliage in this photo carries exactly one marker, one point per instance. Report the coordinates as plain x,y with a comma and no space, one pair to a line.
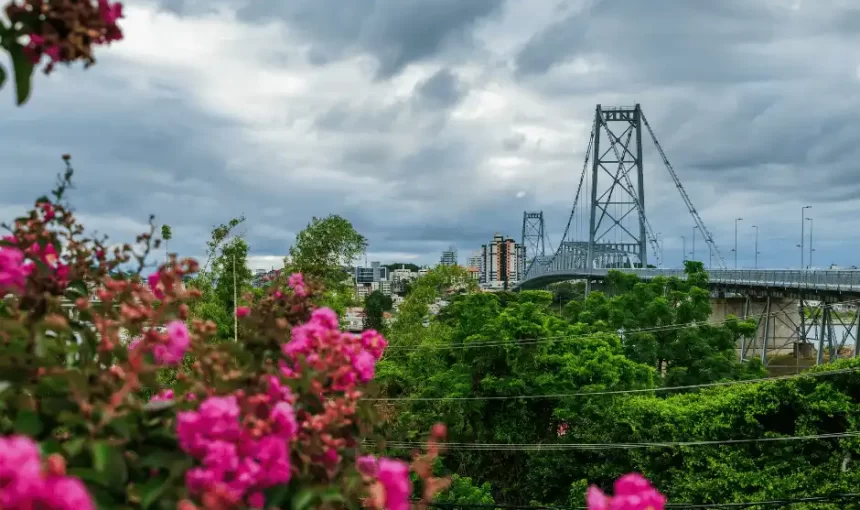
484,350
375,306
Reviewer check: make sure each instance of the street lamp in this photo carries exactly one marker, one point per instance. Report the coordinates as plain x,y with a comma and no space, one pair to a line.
683,249
736,241
802,224
756,247
811,225
660,240
694,242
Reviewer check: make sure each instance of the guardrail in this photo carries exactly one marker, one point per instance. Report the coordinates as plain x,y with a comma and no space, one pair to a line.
831,280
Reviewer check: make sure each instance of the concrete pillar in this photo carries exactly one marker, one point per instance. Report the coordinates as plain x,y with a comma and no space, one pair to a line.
781,324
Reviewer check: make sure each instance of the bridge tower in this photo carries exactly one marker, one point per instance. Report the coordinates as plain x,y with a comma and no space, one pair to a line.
534,237
617,223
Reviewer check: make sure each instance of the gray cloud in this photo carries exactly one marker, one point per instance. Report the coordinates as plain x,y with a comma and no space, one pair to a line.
396,32
430,144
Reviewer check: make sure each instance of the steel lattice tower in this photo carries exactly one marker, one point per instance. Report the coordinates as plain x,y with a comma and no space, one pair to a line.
533,239
618,228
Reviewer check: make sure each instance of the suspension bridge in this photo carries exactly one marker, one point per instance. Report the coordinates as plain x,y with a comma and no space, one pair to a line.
608,229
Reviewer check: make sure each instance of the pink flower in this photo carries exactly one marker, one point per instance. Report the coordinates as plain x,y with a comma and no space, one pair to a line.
393,475
155,285
632,492
596,499
178,340
257,500
13,270
23,484
364,365
284,419
65,493
162,395
366,465
110,13
297,282
242,311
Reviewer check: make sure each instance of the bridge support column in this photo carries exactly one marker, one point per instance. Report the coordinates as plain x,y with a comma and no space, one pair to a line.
777,321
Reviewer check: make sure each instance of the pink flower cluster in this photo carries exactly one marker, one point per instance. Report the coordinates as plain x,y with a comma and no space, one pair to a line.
15,266
25,486
170,347
239,455
13,270
322,347
632,492
297,282
392,476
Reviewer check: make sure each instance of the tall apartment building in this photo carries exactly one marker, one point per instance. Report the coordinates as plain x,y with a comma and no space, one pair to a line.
449,257
474,260
374,273
502,262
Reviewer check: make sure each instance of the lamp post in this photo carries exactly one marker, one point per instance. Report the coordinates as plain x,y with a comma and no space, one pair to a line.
736,241
660,240
693,251
811,225
683,249
802,224
755,264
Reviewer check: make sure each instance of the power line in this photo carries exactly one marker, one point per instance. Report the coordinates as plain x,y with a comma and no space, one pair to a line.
550,339
618,392
833,498
608,446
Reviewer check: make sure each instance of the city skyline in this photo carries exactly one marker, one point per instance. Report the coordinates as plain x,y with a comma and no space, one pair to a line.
447,138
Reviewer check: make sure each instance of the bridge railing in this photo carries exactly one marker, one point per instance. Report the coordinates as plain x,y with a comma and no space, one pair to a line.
833,280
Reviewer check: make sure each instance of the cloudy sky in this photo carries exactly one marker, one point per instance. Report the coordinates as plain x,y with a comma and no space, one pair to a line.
430,123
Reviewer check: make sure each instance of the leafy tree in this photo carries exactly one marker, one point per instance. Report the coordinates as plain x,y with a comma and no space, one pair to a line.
166,236
565,292
229,268
321,251
375,305
324,247
480,346
696,353
217,305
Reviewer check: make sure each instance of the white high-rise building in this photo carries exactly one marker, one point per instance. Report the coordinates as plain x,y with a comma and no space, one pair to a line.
502,262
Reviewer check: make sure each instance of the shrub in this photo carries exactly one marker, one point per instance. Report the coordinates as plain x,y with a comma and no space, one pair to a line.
275,419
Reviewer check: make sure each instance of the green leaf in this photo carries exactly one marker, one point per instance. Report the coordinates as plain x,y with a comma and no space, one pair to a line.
49,447
151,490
4,385
275,496
28,423
109,462
74,446
303,499
331,495
23,72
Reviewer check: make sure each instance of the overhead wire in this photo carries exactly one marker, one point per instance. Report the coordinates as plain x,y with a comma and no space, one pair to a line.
607,446
831,498
549,339
619,392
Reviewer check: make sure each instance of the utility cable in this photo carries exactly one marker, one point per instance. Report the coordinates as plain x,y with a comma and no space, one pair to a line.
833,498
618,392
549,339
607,446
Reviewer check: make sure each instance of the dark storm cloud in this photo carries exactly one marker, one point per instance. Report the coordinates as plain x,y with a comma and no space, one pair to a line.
396,32
754,102
699,41
442,90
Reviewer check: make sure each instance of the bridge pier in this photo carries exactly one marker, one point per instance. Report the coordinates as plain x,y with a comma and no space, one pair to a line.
779,324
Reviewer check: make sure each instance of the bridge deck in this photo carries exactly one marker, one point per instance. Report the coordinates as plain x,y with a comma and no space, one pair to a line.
821,281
